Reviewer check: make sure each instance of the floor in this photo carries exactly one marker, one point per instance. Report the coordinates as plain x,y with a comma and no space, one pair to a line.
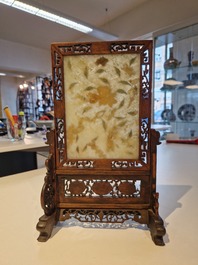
73,243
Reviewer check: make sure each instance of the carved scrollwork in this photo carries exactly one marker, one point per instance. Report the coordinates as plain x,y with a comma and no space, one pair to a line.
48,198
144,132
117,164
103,216
157,229
57,58
60,132
76,48
125,47
146,75
58,86
79,164
145,81
60,139
48,191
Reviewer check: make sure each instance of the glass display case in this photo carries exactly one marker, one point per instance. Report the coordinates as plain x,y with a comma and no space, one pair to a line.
35,98
176,81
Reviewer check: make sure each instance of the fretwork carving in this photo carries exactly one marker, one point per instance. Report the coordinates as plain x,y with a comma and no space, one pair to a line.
48,191
145,81
104,216
102,188
59,123
125,47
58,92
76,49
79,164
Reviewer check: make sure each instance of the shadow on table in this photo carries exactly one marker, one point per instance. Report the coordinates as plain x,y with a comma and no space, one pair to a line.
169,196
169,202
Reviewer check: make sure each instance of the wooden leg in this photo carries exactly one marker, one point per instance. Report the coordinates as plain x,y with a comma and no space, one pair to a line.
157,228
45,226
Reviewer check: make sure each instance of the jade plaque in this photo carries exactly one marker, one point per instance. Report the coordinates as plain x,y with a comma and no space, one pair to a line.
102,106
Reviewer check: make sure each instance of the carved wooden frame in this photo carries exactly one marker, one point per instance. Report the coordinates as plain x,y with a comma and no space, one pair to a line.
102,189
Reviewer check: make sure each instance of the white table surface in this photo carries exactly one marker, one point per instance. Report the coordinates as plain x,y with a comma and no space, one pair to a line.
74,243
31,141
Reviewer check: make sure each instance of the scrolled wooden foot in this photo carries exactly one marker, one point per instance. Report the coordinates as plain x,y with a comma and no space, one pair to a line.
45,226
157,228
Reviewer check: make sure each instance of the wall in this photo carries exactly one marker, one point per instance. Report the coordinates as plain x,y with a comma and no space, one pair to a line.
8,93
24,58
153,16
20,58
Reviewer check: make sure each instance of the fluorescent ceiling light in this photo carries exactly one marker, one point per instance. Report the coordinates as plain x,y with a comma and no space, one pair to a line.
47,15
2,74
7,2
25,7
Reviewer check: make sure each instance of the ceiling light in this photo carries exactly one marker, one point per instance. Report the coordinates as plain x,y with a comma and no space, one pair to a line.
25,7
7,2
47,15
2,74
71,24
20,76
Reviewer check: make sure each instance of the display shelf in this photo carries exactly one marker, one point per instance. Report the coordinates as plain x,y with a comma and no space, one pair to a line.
25,101
38,101
45,101
176,80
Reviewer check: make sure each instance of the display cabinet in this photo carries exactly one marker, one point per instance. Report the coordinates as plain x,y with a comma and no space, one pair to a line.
25,101
45,101
35,98
176,81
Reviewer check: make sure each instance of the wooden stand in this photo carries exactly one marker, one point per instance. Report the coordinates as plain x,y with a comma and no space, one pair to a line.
102,162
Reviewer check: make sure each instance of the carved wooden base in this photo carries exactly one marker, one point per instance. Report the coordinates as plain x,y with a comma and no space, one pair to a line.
45,226
157,229
148,217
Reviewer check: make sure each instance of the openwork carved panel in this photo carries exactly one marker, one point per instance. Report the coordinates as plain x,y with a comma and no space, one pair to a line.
104,216
60,139
126,47
76,49
58,76
112,188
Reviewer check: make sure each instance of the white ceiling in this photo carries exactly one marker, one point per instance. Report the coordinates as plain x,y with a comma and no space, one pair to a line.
120,18
21,27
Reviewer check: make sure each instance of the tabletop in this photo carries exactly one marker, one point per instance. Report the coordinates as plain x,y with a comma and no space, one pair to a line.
81,243
33,142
